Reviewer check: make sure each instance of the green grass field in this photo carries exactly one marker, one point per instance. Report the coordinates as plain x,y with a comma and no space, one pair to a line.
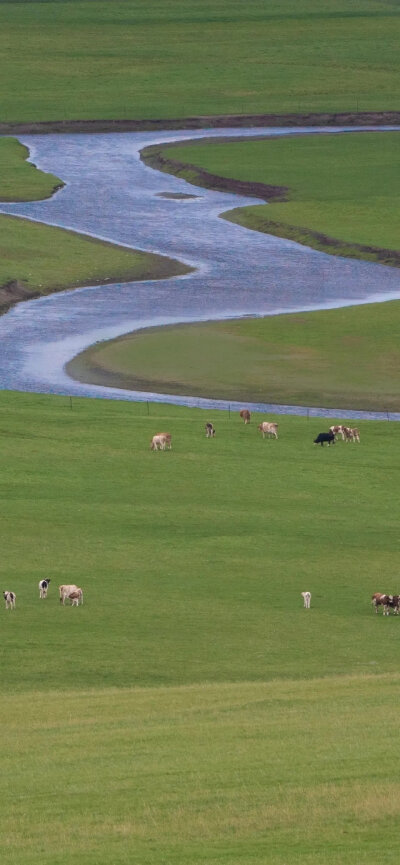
337,186
43,259
191,710
89,60
342,358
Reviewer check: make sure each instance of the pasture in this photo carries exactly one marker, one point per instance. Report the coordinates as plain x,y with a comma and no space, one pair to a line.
191,709
85,59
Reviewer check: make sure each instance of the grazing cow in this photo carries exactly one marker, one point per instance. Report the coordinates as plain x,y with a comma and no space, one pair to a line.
270,429
43,586
65,592
307,599
351,434
161,441
245,415
355,435
10,598
75,597
210,431
337,430
387,602
325,437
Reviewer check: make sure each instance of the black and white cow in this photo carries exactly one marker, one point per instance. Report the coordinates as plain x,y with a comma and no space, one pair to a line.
43,586
10,598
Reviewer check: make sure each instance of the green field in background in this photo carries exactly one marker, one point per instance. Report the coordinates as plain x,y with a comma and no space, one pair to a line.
89,60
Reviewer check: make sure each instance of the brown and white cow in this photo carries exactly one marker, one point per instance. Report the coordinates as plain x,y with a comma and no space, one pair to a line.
245,415
210,431
160,441
270,429
387,602
65,592
337,430
10,598
76,597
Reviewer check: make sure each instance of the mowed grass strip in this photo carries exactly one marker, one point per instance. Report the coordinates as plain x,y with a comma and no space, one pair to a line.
95,60
192,560
37,259
239,774
342,358
340,187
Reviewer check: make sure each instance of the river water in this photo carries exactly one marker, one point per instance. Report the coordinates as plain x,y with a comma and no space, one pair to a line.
111,194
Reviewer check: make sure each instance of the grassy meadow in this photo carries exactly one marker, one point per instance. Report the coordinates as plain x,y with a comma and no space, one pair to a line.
125,59
338,187
346,358
43,259
191,709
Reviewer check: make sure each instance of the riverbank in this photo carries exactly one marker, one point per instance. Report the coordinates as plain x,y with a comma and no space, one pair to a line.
347,358
340,183
206,121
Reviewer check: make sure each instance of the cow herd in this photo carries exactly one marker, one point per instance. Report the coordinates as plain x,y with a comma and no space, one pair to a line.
71,593
162,440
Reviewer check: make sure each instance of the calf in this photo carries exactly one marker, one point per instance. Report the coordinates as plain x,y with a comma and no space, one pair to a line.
387,602
161,441
245,415
65,592
210,431
270,429
10,598
325,437
43,587
307,599
75,597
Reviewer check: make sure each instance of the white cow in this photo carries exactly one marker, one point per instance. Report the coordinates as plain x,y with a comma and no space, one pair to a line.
307,599
270,429
161,441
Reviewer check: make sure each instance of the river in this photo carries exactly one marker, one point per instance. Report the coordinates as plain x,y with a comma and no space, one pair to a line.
111,194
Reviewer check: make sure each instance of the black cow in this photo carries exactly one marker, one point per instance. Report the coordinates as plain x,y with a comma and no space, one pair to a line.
325,437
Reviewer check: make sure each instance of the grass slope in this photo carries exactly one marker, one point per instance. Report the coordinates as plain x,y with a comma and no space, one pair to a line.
235,774
192,710
338,358
339,188
196,546
36,259
128,59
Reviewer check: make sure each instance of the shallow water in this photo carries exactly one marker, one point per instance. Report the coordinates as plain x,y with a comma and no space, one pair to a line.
111,194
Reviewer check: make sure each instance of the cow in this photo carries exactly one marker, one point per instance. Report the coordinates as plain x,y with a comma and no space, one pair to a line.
351,434
210,431
270,429
337,430
325,437
307,599
160,441
65,592
245,415
10,598
387,602
75,597
43,587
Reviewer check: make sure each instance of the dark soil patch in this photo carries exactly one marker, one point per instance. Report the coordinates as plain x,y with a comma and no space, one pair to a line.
217,121
176,196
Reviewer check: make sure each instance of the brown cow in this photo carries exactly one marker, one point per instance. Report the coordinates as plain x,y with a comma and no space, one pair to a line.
245,415
210,431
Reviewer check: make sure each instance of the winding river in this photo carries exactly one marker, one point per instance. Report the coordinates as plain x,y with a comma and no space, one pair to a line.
111,194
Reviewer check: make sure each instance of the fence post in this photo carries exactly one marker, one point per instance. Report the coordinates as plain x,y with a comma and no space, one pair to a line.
229,410
148,409
70,402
